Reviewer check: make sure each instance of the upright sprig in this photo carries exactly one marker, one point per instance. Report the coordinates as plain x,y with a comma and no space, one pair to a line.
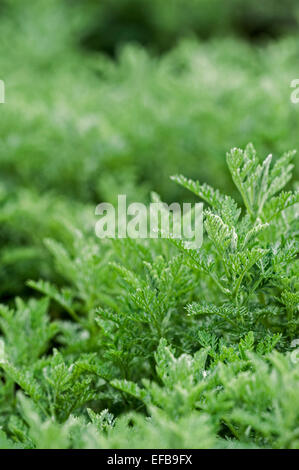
249,255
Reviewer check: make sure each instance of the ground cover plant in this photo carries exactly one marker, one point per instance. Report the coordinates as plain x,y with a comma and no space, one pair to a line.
151,343
147,343
91,124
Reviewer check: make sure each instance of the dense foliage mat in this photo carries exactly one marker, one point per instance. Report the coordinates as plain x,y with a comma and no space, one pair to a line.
146,343
153,343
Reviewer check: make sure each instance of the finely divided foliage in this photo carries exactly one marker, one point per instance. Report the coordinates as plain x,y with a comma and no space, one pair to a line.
149,343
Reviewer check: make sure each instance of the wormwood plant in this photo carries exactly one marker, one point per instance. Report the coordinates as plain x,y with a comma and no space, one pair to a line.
250,256
107,151
148,343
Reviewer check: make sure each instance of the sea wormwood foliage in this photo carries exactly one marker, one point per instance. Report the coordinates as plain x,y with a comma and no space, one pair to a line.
148,343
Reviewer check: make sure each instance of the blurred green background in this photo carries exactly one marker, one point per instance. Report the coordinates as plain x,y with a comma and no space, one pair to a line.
114,96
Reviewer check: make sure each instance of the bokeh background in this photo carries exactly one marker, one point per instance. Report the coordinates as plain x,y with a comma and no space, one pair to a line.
114,96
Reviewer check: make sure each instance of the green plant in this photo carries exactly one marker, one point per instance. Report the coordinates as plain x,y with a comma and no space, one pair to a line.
252,260
184,347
